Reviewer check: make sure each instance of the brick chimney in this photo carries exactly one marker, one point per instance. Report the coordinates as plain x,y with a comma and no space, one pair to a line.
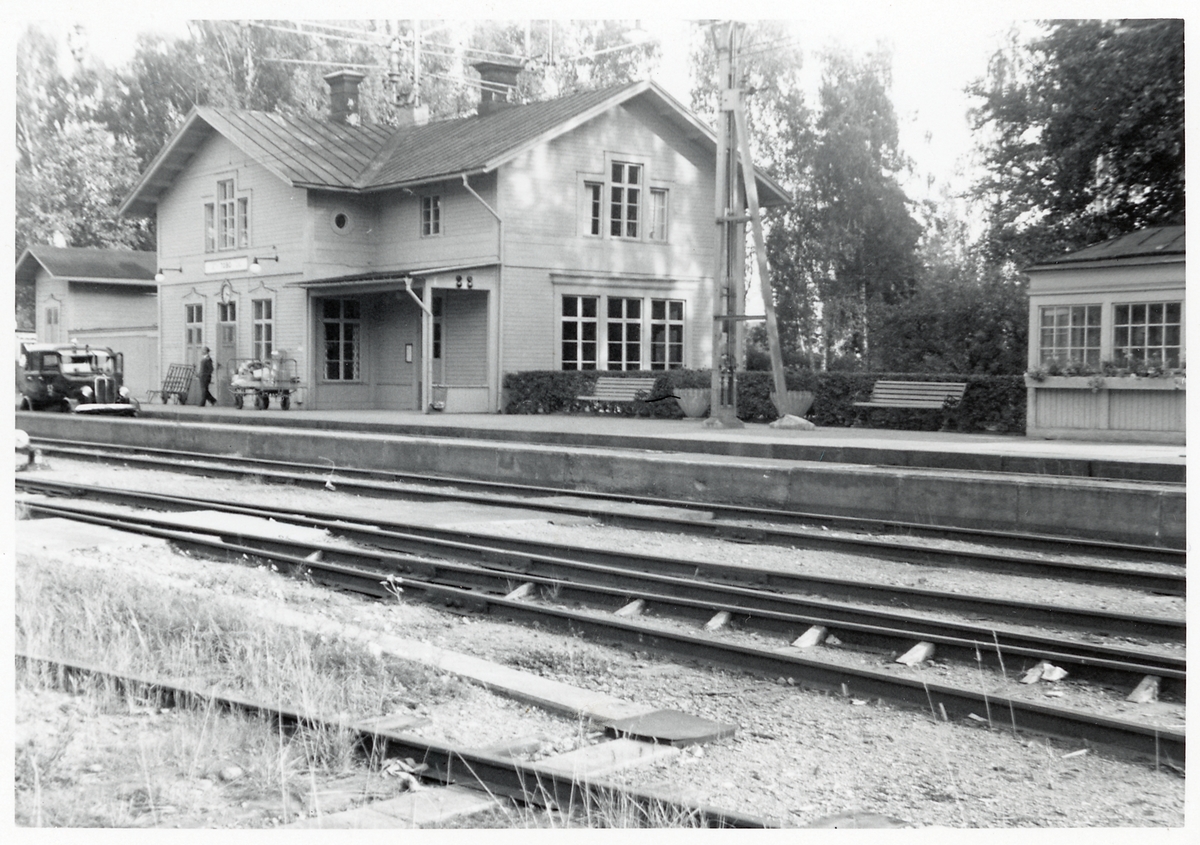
494,75
343,96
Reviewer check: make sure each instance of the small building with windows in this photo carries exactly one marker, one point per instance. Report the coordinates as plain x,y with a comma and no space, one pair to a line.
97,297
1107,344
409,267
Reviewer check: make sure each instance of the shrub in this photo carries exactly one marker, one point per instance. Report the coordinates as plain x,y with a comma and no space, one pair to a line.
993,403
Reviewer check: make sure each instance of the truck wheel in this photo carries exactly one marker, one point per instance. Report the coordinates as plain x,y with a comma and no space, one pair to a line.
166,397
260,401
24,404
237,401
285,401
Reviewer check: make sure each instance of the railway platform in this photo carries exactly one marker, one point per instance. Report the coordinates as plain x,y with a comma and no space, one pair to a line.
880,447
1132,493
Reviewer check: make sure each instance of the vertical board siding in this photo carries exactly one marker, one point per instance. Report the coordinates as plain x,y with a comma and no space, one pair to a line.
100,306
544,215
468,230
465,344
1148,410
1068,409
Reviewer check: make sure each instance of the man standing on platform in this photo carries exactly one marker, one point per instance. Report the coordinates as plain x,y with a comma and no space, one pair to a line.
206,374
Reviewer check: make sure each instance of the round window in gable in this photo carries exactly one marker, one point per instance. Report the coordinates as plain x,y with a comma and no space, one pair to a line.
341,222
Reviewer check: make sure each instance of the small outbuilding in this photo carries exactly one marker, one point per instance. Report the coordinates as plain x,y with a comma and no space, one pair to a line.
97,297
1107,345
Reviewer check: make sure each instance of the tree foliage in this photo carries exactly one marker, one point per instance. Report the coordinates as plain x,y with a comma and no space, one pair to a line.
1086,136
850,239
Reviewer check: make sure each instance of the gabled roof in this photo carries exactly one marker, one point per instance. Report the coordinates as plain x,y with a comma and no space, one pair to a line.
82,264
311,153
1157,245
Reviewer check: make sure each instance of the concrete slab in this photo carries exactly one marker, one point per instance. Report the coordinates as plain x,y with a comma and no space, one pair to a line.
604,757
671,727
422,808
60,535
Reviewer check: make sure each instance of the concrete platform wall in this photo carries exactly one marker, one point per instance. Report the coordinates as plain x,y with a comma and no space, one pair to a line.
1143,513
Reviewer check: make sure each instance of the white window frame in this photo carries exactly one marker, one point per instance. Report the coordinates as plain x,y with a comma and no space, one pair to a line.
580,321
193,331
1132,351
431,215
666,323
624,333
593,204
227,218
343,322
1065,338
262,318
624,214
658,215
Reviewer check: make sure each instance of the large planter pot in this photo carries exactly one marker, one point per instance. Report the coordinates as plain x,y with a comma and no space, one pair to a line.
694,401
796,403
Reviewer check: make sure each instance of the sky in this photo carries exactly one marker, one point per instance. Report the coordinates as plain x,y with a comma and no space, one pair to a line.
937,47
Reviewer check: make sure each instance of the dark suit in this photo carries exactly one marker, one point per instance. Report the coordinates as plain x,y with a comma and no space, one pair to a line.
206,374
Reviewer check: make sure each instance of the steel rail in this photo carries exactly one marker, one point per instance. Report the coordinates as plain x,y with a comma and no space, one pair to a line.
529,783
412,538
715,519
1161,743
606,587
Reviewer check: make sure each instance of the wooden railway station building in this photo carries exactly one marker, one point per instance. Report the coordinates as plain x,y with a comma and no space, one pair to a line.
404,267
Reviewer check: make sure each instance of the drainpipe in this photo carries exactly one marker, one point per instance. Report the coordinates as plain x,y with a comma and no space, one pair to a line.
426,343
499,369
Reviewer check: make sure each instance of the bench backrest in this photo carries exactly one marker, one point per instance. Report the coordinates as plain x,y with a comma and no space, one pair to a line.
621,389
931,394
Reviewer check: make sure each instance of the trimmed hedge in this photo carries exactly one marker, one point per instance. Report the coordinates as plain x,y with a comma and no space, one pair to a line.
991,403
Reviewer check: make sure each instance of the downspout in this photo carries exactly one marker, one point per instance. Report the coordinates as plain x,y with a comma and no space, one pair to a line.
499,369
426,344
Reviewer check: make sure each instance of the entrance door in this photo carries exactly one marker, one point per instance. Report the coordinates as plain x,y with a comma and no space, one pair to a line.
226,350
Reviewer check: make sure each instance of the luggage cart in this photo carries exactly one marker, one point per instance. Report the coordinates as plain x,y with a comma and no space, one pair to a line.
260,380
177,383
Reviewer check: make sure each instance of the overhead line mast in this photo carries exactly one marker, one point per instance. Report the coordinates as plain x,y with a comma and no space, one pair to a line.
729,294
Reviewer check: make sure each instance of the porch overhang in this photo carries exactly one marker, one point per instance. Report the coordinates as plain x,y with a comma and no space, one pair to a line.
378,280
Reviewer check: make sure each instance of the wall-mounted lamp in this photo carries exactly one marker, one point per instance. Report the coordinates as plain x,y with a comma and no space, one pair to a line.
256,268
458,281
470,282
161,275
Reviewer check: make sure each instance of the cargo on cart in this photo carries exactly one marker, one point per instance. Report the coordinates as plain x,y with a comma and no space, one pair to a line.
258,381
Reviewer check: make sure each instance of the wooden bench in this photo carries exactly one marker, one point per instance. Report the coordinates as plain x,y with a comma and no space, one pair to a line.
610,389
920,395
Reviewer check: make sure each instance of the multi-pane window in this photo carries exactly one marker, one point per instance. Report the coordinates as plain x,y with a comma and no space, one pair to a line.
431,215
594,195
1147,332
624,199
579,332
227,221
666,334
657,217
1070,333
624,329
262,313
193,331
52,333
227,325
341,321
210,227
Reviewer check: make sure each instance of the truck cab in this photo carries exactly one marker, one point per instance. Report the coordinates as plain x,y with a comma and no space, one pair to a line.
74,379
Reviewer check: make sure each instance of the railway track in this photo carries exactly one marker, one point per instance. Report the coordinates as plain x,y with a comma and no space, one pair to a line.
1082,561
487,585
531,784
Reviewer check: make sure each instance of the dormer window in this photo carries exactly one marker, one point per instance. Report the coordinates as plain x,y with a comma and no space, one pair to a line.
227,221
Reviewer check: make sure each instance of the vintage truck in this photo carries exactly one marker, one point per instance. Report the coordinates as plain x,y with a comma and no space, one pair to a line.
73,378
